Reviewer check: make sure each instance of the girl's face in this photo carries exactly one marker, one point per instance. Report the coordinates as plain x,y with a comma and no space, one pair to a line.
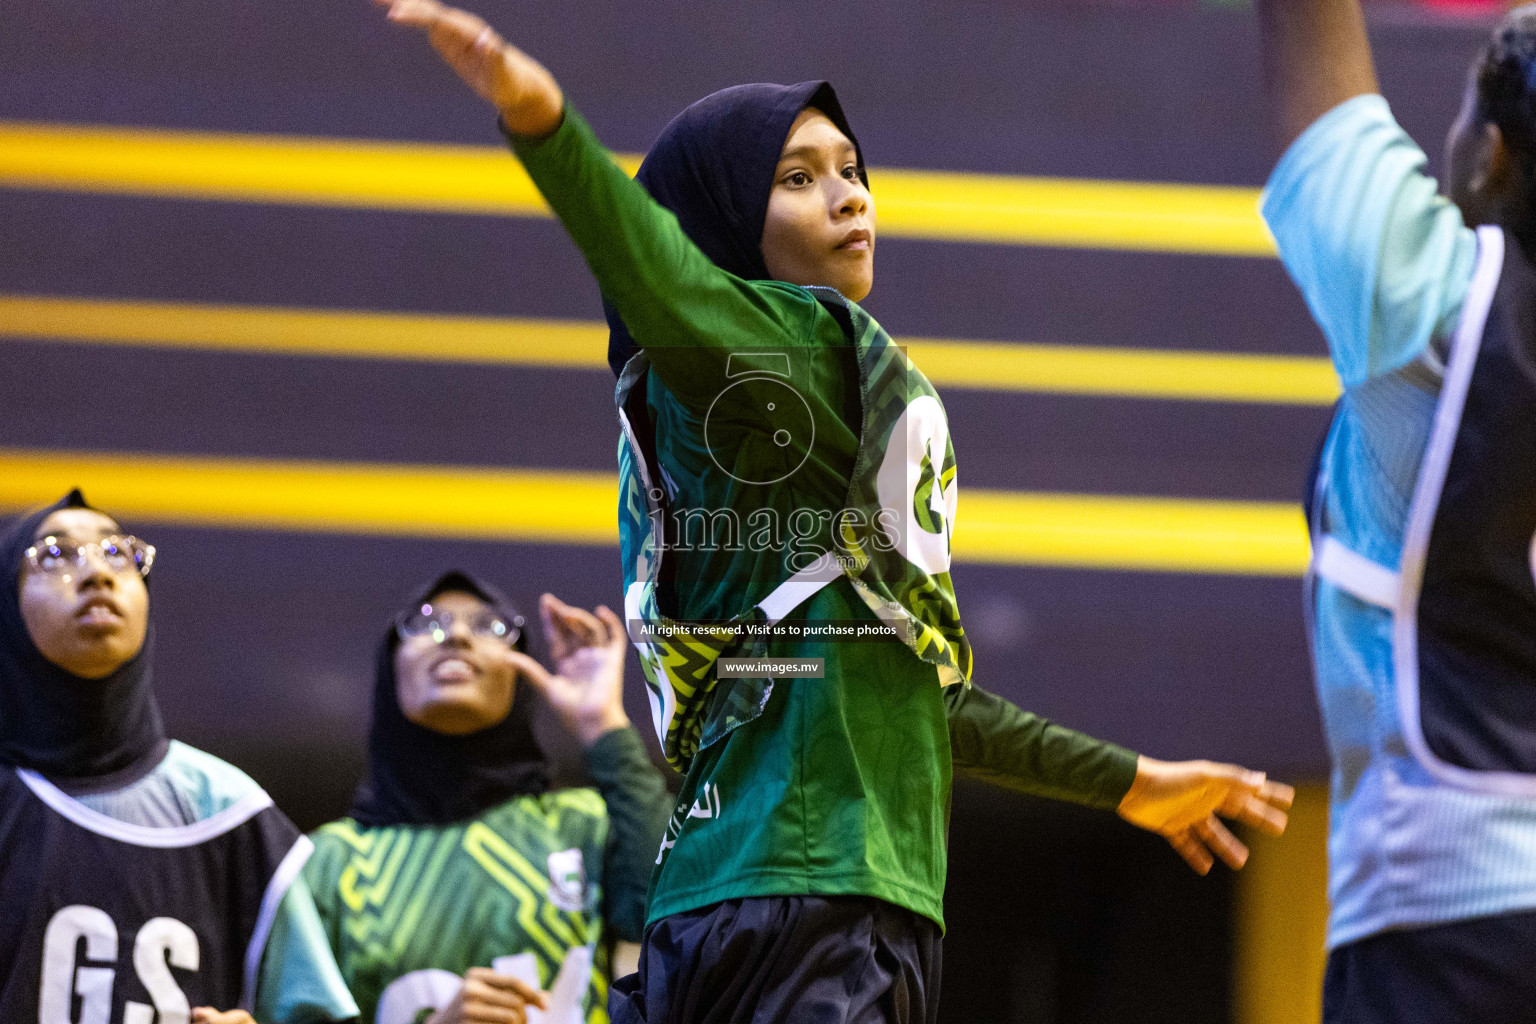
820,228
455,679
87,619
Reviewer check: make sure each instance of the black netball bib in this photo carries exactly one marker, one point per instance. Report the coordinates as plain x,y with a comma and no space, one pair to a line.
1463,599
1469,653
111,923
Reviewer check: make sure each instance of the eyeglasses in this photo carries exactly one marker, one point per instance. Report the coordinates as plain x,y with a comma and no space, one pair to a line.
60,556
437,622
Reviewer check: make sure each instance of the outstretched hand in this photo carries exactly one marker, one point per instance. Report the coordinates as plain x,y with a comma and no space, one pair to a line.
1184,801
518,86
587,687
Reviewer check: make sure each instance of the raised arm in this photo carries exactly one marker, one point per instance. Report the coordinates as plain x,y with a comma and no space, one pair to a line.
1381,259
588,651
520,88
1316,56
677,304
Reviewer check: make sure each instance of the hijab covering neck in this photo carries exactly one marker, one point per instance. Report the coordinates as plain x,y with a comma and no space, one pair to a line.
713,168
53,721
420,777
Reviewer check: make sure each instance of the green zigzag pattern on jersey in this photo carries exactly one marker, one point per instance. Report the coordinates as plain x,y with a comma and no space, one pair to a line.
925,602
391,864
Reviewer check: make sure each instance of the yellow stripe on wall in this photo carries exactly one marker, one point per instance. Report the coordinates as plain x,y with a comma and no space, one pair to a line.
1126,372
998,209
989,366
267,169
417,501
1082,213
306,332
1108,532
560,507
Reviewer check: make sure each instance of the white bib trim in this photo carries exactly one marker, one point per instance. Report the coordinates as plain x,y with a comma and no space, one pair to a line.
172,837
282,880
800,587
1355,574
1421,521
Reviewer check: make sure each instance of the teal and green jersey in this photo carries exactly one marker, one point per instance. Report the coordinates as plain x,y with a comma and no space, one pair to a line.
832,786
532,888
410,909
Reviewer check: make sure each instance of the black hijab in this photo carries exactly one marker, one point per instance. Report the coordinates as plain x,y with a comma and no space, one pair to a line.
420,777
53,721
713,167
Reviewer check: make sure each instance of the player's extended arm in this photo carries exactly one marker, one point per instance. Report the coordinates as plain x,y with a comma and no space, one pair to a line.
995,741
1316,56
678,305
520,88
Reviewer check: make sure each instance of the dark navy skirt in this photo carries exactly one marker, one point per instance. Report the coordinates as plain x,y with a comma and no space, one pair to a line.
807,959
1467,972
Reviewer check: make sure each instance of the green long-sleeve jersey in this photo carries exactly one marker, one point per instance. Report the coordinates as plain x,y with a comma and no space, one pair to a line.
840,786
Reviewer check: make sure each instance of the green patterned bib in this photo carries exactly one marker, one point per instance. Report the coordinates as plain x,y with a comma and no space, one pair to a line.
892,542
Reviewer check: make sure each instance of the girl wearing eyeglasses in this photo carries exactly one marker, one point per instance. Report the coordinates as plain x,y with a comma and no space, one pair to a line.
461,887
140,879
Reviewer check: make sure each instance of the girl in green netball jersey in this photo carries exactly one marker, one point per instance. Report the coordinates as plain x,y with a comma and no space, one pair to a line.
788,487
461,887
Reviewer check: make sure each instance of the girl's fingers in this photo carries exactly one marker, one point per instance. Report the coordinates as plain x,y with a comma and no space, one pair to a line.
454,33
527,993
487,43
1219,839
1242,784
531,670
480,1012
617,635
1260,803
578,624
1278,794
558,645
1262,816
490,990
1193,851
584,625
416,13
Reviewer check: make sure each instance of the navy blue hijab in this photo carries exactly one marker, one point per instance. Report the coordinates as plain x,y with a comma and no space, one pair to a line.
420,777
713,167
54,722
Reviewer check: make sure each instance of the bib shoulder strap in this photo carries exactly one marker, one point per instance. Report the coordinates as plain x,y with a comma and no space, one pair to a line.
834,302
799,588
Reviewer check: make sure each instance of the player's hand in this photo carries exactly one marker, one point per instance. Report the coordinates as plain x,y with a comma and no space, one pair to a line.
518,86
208,1015
587,687
1181,801
490,998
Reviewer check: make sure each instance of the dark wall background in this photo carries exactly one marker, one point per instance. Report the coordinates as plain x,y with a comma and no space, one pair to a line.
267,639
